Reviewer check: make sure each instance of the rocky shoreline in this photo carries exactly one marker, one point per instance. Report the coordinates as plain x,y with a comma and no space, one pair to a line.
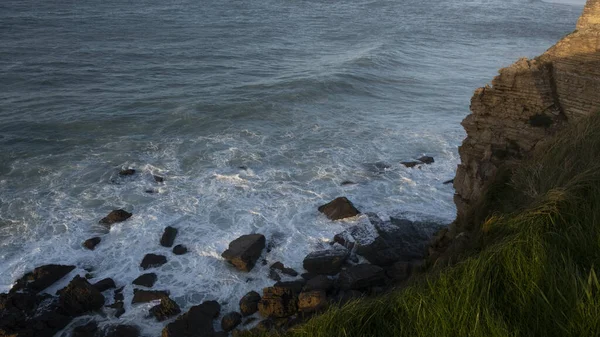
362,260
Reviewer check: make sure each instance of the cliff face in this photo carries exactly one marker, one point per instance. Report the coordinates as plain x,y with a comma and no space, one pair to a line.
526,104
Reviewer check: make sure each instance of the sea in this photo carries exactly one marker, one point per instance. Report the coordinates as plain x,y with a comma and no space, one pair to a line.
254,112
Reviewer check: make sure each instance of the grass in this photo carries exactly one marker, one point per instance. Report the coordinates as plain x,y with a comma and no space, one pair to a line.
534,273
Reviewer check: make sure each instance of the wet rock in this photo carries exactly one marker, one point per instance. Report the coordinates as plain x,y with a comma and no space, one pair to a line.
231,321
158,179
312,301
145,280
328,262
347,182
362,276
244,251
451,181
378,167
168,237
197,322
80,297
278,302
399,271
319,282
165,310
249,303
153,260
88,330
275,240
92,243
143,296
287,271
122,331
30,315
105,284
127,172
41,278
180,250
115,216
411,164
119,307
426,160
273,275
151,191
308,276
339,208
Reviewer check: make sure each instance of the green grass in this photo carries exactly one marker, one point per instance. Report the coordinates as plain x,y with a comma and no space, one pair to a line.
534,270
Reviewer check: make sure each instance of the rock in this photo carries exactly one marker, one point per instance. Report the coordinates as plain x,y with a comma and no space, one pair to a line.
145,280
308,276
411,164
151,191
399,271
273,275
143,296
328,262
244,251
426,160
115,216
296,286
362,276
346,296
127,172
158,179
319,282
80,297
278,302
41,278
197,322
347,182
165,310
312,301
231,321
378,167
153,260
30,315
287,271
249,303
92,243
451,181
180,250
122,331
88,330
104,284
339,208
119,307
168,237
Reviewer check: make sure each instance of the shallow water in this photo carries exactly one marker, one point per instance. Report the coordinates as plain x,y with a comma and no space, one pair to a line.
305,94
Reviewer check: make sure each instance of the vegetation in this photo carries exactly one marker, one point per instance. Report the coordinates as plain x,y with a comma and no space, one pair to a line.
534,272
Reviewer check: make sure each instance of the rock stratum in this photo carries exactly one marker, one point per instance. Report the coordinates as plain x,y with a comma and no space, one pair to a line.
525,105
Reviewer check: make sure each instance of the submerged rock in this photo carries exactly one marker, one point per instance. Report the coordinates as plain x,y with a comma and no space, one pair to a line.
411,164
249,303
180,250
92,243
328,262
127,172
152,261
80,297
168,237
197,322
339,208
41,278
158,179
244,251
115,216
145,280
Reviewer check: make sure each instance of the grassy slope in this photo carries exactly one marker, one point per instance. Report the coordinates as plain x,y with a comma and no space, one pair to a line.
534,274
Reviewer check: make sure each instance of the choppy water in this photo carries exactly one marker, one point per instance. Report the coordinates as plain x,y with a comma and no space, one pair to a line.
304,93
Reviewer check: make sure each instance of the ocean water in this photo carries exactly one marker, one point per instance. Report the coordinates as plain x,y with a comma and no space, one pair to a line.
302,95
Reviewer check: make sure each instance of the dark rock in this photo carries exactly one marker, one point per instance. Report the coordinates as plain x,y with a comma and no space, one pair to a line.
339,208
168,237
249,303
328,262
244,251
296,286
122,331
275,241
346,296
41,278
243,167
165,310
80,297
249,320
180,250
319,282
378,167
30,315
451,181
145,280
540,120
143,296
231,321
278,302
150,191
426,159
308,276
115,216
158,179
197,322
88,330
153,260
347,182
105,284
361,276
119,307
273,275
312,301
287,271
411,164
127,172
399,271
92,243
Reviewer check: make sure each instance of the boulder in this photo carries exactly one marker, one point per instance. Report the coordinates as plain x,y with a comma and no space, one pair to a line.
327,262
362,276
249,303
153,260
312,301
231,321
105,284
165,310
296,286
244,251
273,275
287,271
339,208
41,278
145,280
80,297
115,216
143,296
180,250
92,243
168,237
319,282
197,322
127,172
278,302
